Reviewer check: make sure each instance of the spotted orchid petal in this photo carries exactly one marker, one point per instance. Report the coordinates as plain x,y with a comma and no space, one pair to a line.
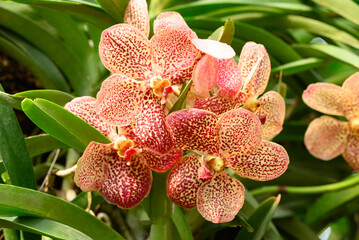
273,107
351,152
219,105
326,137
239,132
84,108
180,76
229,78
119,100
136,14
124,50
214,48
161,163
267,162
183,181
327,98
150,125
127,184
92,168
220,199
168,19
194,129
351,85
205,76
173,50
254,65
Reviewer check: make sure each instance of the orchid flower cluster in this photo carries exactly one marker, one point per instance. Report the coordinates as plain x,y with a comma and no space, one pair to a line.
328,137
224,126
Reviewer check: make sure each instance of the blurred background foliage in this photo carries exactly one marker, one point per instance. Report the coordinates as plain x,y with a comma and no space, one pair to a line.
53,44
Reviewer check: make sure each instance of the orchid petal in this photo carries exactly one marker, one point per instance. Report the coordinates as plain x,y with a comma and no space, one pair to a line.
166,19
124,50
92,168
194,129
183,181
219,105
84,108
326,137
351,152
352,85
161,163
229,78
272,105
127,183
240,132
205,76
327,98
248,64
180,76
214,48
267,162
150,125
136,14
220,199
173,50
119,100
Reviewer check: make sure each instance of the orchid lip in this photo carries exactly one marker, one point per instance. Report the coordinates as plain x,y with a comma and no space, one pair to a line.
122,144
354,125
159,85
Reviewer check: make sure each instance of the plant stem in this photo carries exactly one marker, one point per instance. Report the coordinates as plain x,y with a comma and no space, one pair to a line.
354,179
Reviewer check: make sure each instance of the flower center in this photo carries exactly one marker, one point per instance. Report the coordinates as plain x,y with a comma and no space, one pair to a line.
210,165
251,104
158,85
125,148
354,125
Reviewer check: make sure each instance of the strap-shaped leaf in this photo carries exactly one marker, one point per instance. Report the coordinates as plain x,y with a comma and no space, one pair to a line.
43,143
62,124
55,96
346,8
225,33
180,222
298,66
181,101
17,201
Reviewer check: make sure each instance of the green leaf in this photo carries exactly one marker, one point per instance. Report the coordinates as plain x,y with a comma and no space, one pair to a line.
179,219
182,97
298,66
91,3
11,101
260,219
346,8
13,151
17,201
62,124
296,229
329,50
114,8
42,143
225,33
58,97
44,227
326,205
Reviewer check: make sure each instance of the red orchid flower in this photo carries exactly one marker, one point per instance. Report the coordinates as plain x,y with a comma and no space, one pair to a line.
327,137
232,140
121,170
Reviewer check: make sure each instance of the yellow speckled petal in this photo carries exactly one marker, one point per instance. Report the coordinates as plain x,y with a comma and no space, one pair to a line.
166,19
267,162
229,78
351,152
127,185
92,168
183,181
118,100
326,137
136,14
352,86
124,50
84,108
240,132
161,163
173,50
220,199
214,48
247,61
150,125
194,129
273,106
327,98
205,76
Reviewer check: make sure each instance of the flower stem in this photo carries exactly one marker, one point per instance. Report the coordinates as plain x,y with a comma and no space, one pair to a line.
159,208
354,179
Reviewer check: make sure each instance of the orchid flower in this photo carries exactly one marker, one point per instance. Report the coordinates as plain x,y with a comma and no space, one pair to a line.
327,137
232,140
121,170
240,86
143,72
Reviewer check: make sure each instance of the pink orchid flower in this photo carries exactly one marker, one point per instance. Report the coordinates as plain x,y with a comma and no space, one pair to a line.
327,137
232,140
121,170
143,72
240,86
